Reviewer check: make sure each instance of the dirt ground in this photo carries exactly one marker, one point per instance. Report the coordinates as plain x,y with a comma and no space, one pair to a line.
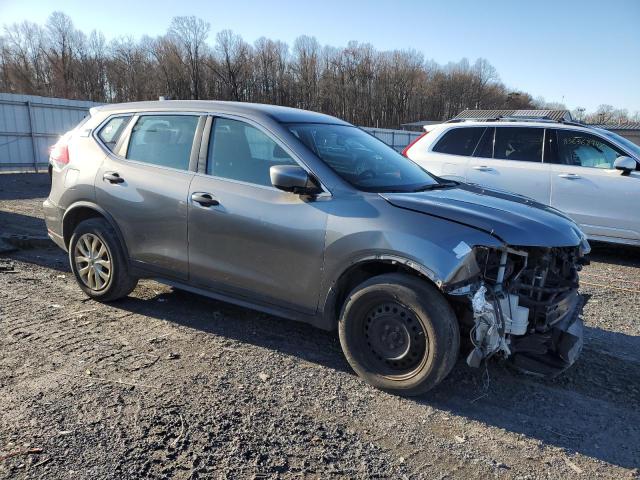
166,384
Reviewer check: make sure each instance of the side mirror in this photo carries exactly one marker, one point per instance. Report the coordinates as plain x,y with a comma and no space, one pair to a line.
295,179
625,164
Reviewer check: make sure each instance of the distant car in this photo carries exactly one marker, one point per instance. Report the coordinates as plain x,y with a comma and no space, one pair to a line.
305,216
590,174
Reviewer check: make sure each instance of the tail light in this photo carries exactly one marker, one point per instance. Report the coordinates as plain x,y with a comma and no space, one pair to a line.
59,153
405,152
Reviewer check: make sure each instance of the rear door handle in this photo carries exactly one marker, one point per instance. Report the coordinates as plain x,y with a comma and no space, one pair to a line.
570,176
204,199
483,168
113,177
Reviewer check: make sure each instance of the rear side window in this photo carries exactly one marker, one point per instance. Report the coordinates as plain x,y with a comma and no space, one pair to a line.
459,141
111,131
163,140
522,144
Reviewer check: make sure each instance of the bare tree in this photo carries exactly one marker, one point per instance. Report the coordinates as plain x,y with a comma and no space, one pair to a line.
60,52
357,82
306,70
232,64
191,34
23,62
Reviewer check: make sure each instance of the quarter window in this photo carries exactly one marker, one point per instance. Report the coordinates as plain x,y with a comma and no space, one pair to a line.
459,141
239,151
163,140
515,143
585,150
111,131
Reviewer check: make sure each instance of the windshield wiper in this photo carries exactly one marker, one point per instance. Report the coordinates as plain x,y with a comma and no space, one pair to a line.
435,186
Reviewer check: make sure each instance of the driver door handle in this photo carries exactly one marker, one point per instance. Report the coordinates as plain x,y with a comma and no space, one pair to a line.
570,176
483,168
113,177
204,199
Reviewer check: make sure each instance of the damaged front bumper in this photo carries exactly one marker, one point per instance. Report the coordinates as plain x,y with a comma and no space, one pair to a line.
550,353
523,304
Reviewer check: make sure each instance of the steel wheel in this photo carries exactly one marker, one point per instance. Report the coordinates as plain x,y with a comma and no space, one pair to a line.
399,333
396,340
93,262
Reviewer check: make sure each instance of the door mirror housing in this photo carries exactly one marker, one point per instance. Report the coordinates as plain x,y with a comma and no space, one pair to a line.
294,179
625,164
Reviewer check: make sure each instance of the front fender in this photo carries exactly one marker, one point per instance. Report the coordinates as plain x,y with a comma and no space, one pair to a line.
438,249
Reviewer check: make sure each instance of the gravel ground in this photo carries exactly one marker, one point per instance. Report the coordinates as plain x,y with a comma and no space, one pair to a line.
166,384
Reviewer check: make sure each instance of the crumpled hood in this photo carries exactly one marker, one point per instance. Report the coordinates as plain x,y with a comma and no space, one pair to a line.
514,219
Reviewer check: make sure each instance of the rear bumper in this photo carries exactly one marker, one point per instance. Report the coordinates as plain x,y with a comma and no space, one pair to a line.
53,218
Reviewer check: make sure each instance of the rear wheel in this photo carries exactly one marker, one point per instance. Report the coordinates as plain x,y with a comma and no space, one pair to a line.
98,262
399,333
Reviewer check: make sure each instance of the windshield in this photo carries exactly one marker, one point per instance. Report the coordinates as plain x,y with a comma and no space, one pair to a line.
362,160
628,144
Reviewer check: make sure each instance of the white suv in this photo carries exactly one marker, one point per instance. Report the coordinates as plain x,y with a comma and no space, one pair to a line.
591,174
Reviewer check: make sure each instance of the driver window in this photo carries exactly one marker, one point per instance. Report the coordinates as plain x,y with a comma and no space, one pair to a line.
585,150
239,151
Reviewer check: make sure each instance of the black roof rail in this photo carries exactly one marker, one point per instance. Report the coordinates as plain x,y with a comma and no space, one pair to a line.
523,118
474,119
575,123
527,118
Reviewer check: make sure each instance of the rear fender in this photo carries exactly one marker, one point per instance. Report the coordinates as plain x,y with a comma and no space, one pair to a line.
75,208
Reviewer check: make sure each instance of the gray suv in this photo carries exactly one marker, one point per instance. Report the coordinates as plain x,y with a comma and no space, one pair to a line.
305,216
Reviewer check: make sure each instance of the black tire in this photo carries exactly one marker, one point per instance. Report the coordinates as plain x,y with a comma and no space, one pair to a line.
120,283
399,333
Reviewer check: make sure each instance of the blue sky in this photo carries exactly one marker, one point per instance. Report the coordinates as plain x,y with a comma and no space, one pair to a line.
583,53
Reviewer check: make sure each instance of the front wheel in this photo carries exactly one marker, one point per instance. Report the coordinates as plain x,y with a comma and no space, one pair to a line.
399,333
98,261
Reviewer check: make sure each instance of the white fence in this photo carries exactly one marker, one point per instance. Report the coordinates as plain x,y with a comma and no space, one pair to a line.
29,125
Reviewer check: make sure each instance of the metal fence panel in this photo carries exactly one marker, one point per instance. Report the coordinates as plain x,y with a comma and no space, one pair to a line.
29,125
398,139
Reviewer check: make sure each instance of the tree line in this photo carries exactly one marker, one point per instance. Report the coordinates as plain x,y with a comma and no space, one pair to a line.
357,82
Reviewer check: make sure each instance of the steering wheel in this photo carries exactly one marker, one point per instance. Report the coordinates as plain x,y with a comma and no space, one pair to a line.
366,175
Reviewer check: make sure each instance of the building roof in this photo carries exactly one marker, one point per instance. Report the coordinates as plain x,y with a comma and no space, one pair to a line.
618,126
275,112
550,114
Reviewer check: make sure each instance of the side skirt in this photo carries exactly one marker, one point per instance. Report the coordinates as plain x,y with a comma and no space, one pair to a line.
314,320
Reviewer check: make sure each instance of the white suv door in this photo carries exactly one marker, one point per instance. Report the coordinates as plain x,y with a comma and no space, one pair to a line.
511,158
587,187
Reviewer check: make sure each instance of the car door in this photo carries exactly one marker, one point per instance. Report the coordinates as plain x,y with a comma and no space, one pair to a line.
511,158
144,185
246,237
587,187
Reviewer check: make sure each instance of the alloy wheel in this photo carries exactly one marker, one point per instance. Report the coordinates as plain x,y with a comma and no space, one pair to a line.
93,262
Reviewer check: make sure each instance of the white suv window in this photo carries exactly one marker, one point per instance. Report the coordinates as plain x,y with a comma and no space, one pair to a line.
585,150
519,143
459,141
